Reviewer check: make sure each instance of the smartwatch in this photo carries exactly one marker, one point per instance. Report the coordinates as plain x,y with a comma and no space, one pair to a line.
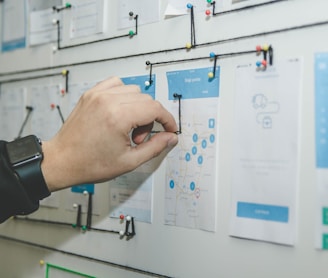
25,156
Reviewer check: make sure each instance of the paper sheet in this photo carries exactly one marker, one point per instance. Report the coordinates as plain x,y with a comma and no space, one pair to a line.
266,152
132,193
147,11
87,18
14,25
190,192
12,110
42,29
321,145
45,119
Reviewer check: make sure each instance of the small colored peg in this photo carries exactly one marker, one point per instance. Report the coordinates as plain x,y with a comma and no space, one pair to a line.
128,218
147,63
258,64
188,45
64,72
122,216
121,233
147,83
210,75
52,106
131,33
265,47
68,5
189,5
264,63
130,13
212,55
258,48
208,12
62,91
41,262
54,21
209,1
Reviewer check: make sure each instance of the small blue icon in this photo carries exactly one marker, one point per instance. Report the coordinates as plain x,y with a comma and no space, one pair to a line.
200,160
192,186
194,150
204,144
187,156
195,138
212,138
171,184
211,123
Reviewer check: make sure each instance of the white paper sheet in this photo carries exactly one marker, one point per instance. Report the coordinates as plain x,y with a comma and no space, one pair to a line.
42,29
87,18
132,194
266,152
12,110
147,11
14,25
190,191
321,141
45,118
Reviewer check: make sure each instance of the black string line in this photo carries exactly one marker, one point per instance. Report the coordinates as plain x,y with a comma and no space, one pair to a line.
233,39
60,113
192,28
64,73
59,9
77,224
130,35
53,249
223,55
29,111
262,34
89,213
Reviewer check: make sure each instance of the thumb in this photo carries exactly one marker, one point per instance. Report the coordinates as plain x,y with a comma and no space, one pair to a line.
155,146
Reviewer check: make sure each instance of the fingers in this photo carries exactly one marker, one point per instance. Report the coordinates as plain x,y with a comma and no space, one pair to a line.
145,112
140,134
108,83
116,86
152,148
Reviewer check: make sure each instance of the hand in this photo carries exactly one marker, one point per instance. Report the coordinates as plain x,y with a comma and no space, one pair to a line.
94,143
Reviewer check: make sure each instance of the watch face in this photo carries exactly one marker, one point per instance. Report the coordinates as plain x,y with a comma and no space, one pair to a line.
24,150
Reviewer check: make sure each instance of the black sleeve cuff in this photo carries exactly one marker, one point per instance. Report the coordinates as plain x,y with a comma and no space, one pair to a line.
14,200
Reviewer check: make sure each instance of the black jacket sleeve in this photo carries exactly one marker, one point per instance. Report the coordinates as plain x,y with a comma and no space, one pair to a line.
13,197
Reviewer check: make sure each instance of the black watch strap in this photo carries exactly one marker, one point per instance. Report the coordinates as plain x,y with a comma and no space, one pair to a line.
31,177
25,155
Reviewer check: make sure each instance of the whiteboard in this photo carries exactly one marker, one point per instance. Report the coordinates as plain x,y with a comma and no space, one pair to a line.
295,28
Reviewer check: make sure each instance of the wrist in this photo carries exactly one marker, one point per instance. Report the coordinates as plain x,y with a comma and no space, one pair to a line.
25,156
56,167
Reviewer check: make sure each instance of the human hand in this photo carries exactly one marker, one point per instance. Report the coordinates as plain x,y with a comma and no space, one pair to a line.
94,143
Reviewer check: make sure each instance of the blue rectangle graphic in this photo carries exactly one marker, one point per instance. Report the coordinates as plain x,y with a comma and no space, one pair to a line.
193,83
321,109
263,212
81,188
141,82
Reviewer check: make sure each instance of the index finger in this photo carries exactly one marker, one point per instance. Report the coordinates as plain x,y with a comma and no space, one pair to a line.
147,112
